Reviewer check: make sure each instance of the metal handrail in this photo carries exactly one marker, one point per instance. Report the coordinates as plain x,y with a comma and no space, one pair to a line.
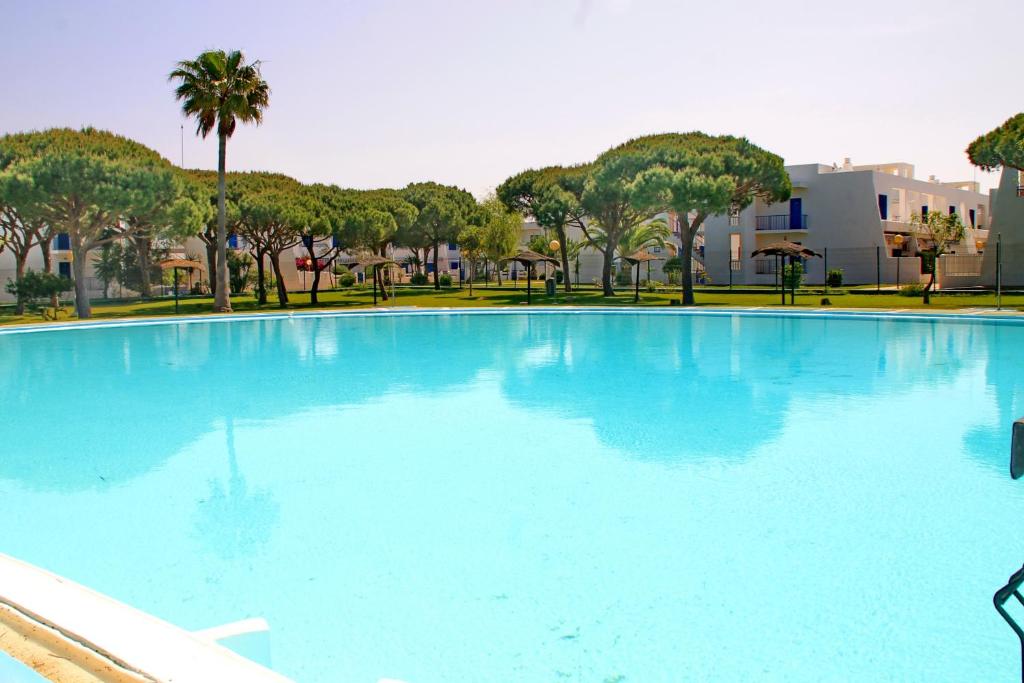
1012,589
781,222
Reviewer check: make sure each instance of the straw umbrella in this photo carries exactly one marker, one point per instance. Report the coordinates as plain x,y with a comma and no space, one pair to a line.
176,263
782,250
374,261
529,259
635,259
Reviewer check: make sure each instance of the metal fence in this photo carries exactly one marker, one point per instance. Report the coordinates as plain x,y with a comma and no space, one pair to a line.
883,267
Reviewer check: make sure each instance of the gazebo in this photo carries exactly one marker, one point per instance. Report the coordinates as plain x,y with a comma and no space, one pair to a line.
529,259
177,263
635,259
782,250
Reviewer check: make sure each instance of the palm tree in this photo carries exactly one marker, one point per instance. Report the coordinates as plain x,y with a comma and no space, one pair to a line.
653,233
219,88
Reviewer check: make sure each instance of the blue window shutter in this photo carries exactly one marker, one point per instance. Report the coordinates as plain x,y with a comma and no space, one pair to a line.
883,206
924,211
452,246
64,269
334,241
307,241
63,241
233,241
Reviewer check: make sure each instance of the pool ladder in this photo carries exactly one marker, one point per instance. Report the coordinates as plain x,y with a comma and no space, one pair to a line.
1012,587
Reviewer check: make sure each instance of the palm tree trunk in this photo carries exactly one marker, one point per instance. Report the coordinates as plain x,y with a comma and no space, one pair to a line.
222,296
211,263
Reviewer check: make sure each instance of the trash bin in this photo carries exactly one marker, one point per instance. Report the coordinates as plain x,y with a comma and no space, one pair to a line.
549,286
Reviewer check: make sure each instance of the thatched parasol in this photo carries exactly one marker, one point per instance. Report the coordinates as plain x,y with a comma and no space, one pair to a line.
529,259
782,250
372,261
635,259
177,263
790,249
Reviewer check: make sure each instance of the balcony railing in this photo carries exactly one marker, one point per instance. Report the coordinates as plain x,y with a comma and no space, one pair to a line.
1020,190
782,222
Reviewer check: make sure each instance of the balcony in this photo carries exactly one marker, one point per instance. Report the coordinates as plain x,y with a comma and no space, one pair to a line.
1020,190
783,222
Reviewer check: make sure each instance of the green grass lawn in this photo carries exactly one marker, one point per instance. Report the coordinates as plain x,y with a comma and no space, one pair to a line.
484,297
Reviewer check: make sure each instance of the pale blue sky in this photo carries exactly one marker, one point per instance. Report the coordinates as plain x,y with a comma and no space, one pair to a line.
369,94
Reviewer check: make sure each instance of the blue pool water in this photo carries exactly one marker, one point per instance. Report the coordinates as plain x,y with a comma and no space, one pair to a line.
546,497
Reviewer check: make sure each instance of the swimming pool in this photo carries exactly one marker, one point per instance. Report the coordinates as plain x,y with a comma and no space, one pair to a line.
537,497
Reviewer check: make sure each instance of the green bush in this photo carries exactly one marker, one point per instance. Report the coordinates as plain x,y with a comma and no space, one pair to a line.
651,286
834,277
445,280
418,278
793,275
346,280
912,290
34,287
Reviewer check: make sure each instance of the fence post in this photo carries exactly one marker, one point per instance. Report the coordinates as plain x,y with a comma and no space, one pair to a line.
999,271
878,269
730,272
898,259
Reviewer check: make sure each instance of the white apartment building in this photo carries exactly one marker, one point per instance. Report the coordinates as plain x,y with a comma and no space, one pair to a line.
860,214
60,252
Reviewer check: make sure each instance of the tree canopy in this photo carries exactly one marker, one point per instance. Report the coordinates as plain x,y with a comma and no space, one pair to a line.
443,211
87,183
1003,146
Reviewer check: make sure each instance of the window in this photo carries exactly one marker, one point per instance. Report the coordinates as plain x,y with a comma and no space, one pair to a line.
735,246
952,210
454,265
63,241
655,250
970,215
734,216
883,206
64,269
233,241
452,246
924,212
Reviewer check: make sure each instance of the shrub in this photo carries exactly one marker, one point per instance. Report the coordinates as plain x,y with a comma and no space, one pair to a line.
559,277
834,277
912,290
793,275
445,280
34,287
346,279
651,285
418,278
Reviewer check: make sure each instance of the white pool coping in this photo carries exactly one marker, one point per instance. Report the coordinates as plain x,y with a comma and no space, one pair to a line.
913,314
97,633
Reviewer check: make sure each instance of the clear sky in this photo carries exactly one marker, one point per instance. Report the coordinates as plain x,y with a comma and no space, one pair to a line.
372,94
